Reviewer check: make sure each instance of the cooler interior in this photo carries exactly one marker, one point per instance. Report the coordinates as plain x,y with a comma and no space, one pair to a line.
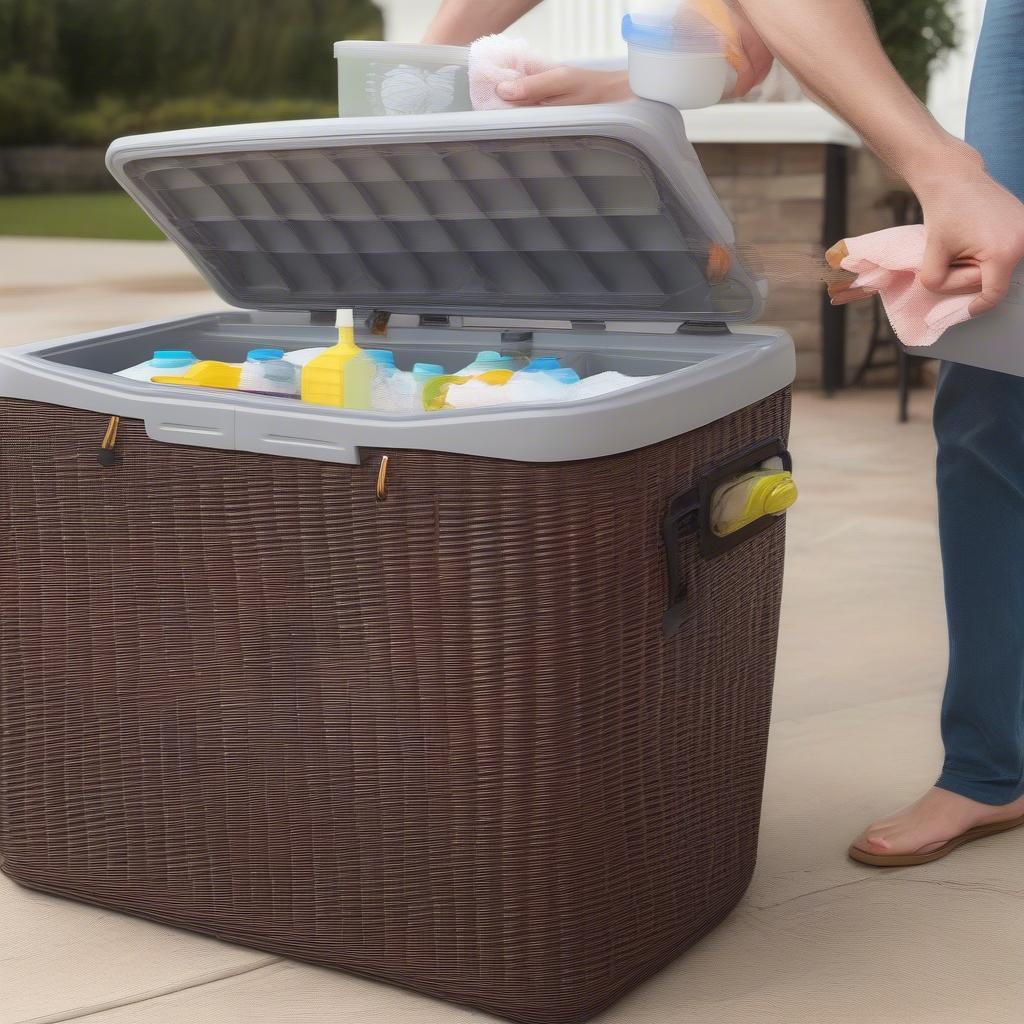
690,379
228,337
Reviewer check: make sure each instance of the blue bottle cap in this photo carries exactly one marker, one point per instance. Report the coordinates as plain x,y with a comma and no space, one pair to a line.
381,355
564,375
543,363
173,357
262,355
428,370
488,360
665,33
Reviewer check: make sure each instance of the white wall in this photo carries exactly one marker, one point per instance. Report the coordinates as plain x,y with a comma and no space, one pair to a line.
947,95
568,29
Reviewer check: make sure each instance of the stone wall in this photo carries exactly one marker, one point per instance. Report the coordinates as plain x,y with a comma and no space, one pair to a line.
53,169
775,195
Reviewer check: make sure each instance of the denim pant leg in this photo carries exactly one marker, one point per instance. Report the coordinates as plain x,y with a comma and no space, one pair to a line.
979,424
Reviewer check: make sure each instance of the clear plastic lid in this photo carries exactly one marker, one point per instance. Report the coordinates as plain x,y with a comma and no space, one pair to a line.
683,26
701,39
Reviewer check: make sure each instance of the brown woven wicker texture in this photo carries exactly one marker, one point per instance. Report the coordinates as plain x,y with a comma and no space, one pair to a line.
439,740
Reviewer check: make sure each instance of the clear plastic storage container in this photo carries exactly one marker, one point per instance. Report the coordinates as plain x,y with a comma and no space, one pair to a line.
376,78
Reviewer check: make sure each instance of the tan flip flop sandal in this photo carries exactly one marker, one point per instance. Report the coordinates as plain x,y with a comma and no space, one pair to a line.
908,860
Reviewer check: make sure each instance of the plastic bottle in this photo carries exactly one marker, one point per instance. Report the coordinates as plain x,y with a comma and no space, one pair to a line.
165,362
737,503
422,372
303,356
542,364
400,391
485,361
207,373
552,366
323,377
564,375
266,372
681,52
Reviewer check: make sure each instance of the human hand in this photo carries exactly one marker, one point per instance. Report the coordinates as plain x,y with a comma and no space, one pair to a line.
975,233
563,86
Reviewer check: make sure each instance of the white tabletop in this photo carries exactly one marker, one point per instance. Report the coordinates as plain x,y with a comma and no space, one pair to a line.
799,122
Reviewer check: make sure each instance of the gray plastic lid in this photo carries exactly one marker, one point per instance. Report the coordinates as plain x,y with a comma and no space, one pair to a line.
589,213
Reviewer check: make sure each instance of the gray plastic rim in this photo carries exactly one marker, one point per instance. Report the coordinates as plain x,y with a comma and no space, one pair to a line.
754,363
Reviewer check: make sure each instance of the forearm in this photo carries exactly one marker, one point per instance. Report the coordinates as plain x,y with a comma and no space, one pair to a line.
459,22
832,47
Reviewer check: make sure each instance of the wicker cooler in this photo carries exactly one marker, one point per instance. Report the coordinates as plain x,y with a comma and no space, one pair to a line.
471,701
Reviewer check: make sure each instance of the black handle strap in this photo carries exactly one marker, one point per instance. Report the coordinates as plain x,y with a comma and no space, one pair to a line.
689,511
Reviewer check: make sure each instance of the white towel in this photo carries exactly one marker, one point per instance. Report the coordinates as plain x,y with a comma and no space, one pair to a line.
497,59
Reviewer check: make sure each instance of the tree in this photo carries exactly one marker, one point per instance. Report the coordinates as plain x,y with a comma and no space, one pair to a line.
28,35
915,34
150,50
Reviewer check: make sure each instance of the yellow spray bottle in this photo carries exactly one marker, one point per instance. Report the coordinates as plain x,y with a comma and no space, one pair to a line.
323,378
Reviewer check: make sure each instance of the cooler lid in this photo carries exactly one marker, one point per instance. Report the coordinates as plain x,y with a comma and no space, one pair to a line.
587,212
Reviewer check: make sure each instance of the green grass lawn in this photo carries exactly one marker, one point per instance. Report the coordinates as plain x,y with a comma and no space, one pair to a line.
75,215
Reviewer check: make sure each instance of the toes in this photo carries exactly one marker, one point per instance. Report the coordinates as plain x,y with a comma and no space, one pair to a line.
872,842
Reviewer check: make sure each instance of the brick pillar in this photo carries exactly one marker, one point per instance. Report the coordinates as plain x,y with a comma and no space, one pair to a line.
775,194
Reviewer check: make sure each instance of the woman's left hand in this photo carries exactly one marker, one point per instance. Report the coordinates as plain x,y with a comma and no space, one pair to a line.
564,86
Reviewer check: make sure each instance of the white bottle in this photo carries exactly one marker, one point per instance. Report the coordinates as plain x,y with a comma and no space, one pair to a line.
677,54
486,361
266,372
165,362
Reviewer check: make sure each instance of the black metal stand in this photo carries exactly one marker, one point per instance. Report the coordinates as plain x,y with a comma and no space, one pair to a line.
833,318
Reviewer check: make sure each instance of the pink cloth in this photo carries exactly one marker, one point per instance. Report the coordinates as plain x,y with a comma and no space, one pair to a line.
496,59
888,262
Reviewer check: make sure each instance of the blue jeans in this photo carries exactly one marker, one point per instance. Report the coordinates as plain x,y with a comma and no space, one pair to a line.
979,424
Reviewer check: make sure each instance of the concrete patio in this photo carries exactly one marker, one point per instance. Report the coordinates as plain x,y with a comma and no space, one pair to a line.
818,939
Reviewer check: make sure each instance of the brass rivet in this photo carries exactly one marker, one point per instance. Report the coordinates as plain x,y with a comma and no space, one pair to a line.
107,454
382,479
110,437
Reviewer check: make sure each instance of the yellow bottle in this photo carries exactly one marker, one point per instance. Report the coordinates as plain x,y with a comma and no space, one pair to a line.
768,491
206,374
323,378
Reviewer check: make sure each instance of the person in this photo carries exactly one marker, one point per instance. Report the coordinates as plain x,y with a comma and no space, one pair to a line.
970,193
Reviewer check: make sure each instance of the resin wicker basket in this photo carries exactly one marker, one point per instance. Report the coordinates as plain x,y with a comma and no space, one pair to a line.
440,739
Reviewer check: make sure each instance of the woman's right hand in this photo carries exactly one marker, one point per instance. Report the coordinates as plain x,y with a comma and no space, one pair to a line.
975,232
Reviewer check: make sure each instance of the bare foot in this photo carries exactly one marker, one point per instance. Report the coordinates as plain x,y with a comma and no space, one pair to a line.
931,821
